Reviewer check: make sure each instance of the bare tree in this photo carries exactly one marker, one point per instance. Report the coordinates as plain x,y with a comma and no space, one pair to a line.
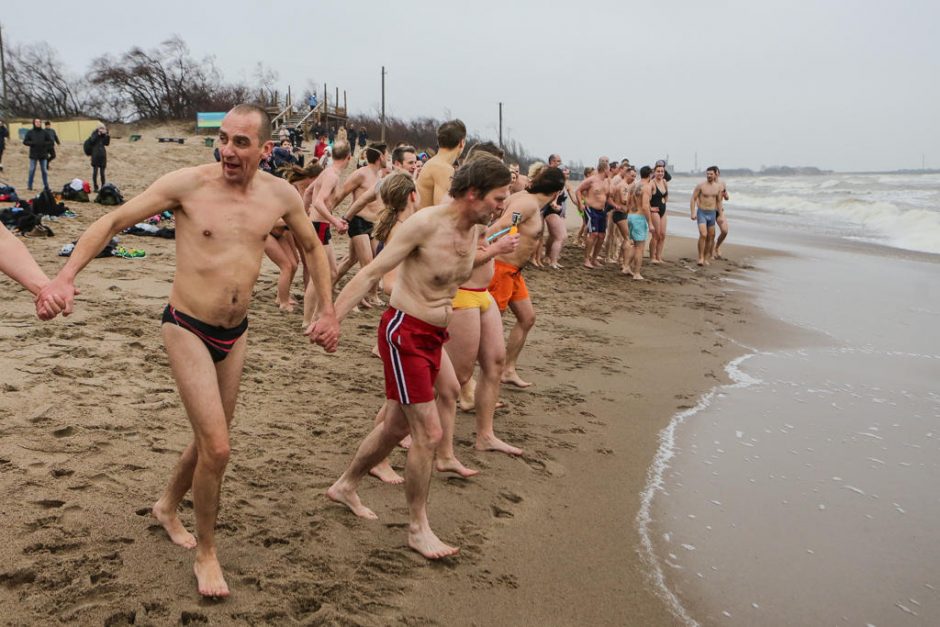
38,84
163,83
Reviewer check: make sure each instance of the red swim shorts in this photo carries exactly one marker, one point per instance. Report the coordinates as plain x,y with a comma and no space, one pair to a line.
507,285
411,356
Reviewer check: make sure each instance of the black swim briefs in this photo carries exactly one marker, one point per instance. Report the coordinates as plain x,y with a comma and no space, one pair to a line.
218,340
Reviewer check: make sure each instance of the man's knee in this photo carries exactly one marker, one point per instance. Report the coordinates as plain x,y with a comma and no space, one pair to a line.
448,390
215,454
526,320
429,436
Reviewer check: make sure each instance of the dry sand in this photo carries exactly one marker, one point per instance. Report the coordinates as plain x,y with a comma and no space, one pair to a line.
92,425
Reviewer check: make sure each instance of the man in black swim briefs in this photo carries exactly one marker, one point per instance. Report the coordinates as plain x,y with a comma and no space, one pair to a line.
223,213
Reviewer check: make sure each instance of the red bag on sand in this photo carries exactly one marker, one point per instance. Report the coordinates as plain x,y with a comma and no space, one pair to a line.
86,187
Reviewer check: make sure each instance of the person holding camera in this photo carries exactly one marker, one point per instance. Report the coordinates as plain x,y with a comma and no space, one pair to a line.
99,154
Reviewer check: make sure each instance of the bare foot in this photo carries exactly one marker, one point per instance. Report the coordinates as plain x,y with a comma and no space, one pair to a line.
466,406
429,545
365,304
173,527
587,264
626,271
700,263
375,350
656,261
350,499
514,379
378,302
466,400
209,577
638,277
492,443
454,466
384,472
405,442
289,307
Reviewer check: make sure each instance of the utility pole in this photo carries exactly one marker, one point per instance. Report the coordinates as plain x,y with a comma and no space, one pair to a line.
3,72
500,125
383,103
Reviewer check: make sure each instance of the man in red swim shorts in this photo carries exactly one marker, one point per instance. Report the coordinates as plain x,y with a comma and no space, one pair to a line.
436,248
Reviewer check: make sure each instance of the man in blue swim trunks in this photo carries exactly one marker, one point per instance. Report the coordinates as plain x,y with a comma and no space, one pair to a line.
224,211
639,222
595,190
704,207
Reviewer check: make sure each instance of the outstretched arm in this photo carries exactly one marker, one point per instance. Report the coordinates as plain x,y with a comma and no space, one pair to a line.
408,236
694,199
58,295
16,263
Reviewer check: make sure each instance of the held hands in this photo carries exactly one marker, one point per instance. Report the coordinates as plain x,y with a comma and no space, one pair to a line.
324,330
505,245
56,297
341,226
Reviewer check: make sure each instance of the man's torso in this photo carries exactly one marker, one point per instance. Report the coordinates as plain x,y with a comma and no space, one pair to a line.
428,278
220,236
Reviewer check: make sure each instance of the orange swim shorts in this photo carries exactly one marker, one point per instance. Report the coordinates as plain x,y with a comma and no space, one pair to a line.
507,285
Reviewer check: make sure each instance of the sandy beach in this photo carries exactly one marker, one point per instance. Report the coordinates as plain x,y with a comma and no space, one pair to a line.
92,425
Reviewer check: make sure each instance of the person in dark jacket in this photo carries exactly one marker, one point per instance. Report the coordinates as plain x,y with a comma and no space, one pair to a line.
4,133
363,138
39,142
99,154
55,141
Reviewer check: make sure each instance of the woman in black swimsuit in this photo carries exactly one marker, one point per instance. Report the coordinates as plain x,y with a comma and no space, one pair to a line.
658,212
554,216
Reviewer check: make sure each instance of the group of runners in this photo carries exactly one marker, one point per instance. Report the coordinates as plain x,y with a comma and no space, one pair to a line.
446,247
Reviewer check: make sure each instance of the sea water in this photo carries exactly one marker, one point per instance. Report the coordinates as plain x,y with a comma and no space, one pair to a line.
805,492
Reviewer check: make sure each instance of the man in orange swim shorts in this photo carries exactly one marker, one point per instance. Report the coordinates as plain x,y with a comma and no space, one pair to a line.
507,286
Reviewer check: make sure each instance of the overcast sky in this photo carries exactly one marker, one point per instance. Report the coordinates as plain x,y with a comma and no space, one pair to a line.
850,85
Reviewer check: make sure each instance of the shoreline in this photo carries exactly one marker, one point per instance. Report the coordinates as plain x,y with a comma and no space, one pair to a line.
595,571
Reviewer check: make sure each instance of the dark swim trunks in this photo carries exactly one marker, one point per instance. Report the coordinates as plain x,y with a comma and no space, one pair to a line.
323,232
218,340
597,220
360,226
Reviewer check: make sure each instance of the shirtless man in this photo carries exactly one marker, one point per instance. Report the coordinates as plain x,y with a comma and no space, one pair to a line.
595,190
404,160
707,199
639,222
436,250
616,202
223,215
519,181
18,264
318,200
722,218
623,199
508,287
434,180
361,223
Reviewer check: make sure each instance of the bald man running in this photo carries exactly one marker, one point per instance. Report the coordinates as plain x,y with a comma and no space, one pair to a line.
223,214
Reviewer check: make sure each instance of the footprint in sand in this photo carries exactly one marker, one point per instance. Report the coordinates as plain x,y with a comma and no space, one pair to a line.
193,618
499,512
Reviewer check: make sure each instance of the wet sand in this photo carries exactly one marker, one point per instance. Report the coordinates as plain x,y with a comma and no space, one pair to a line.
92,425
